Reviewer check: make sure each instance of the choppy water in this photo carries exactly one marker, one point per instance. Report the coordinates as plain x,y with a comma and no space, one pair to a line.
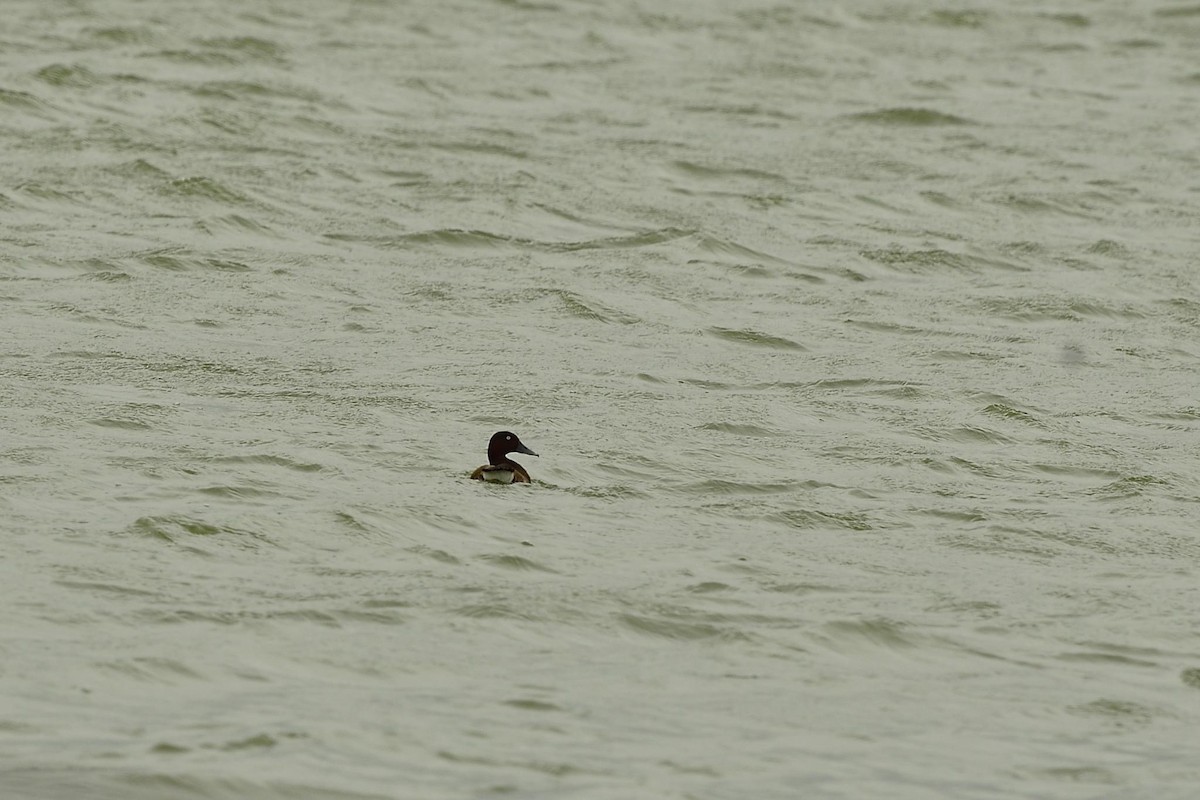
859,341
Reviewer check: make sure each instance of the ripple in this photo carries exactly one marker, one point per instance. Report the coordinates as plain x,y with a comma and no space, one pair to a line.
268,460
435,554
717,486
109,276
1107,247
738,430
1053,309
24,101
1120,712
804,518
207,58
1127,487
966,434
151,670
120,34
1010,413
139,168
205,188
254,91
969,18
489,611
923,261
121,424
1106,658
1070,19
179,260
107,588
722,174
372,616
875,633
68,76
676,629
159,781
236,223
611,492
909,116
963,355
180,529
756,339
515,563
581,308
709,587
238,492
1036,204
1177,12
444,238
42,193
631,241
1073,471
528,704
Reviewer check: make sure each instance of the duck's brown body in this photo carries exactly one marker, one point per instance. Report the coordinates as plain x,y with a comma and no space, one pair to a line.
500,468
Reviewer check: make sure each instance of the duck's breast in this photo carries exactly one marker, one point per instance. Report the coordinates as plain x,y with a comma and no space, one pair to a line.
493,473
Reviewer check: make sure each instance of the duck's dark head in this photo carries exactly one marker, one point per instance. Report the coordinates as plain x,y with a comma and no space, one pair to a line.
503,443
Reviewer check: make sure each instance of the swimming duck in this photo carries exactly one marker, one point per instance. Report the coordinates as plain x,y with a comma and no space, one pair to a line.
500,468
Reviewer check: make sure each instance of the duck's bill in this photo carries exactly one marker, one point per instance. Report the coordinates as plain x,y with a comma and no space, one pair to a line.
527,451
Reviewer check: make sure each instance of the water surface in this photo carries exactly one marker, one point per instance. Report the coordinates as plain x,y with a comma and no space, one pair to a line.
858,341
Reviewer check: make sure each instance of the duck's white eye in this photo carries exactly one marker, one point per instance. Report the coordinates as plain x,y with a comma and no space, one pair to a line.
508,438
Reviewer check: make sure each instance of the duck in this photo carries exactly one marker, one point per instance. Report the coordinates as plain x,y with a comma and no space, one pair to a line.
500,468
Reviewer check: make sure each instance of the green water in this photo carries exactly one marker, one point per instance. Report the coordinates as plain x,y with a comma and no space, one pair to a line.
858,342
